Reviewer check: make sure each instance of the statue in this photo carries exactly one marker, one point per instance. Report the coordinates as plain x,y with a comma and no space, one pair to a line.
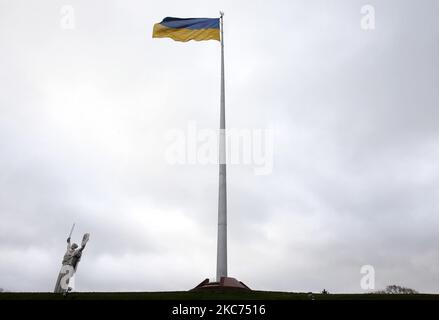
70,264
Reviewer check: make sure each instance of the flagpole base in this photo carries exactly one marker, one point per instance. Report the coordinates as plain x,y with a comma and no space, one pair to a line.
225,284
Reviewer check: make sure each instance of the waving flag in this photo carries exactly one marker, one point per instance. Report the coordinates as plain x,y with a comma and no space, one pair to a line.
188,29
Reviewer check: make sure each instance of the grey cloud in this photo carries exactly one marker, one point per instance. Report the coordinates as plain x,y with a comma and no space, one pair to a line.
83,119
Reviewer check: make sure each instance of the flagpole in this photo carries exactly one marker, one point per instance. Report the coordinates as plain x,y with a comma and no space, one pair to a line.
221,269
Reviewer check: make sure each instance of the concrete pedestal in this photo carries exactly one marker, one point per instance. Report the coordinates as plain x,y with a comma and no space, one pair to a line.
226,284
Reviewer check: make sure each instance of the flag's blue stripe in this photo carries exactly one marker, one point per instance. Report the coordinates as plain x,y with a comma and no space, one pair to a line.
193,23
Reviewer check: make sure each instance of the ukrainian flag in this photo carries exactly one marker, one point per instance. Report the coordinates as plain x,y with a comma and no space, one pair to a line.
188,29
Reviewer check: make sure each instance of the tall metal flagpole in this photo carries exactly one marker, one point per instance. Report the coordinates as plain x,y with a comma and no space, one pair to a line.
221,268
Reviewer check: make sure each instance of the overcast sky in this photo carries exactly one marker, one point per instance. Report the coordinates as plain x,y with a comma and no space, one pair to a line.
86,110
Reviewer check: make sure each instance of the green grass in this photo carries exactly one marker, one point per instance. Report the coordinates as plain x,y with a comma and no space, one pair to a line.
215,295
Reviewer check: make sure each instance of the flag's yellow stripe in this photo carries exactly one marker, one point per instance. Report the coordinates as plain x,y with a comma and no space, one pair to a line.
184,35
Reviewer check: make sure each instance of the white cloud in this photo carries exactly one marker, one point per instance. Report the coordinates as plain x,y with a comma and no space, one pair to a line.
83,120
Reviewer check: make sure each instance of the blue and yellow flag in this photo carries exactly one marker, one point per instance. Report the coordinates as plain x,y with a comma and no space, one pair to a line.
188,29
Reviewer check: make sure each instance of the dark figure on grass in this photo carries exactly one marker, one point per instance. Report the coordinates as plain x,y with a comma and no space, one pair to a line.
65,282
